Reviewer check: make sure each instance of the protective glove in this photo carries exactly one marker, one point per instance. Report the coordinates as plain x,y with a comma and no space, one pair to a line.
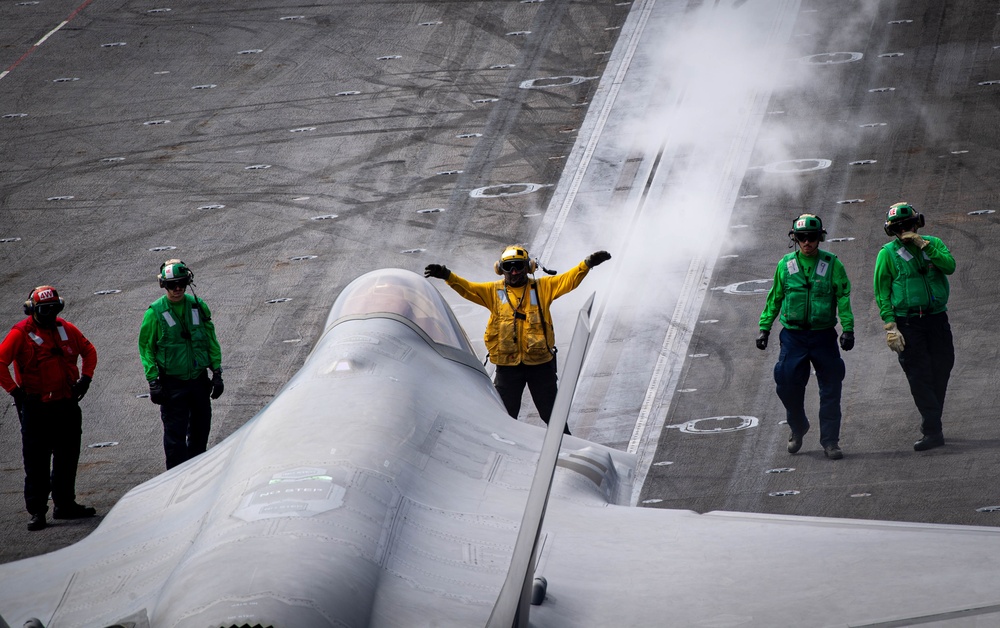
81,387
847,340
156,393
598,257
438,271
913,238
19,396
217,385
894,338
762,339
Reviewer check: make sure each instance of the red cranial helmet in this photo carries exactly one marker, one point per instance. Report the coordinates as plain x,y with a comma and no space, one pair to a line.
44,301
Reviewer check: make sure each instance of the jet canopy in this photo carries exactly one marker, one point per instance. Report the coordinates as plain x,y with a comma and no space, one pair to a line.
393,291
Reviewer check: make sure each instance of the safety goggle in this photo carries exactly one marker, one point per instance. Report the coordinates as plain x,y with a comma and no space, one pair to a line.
902,225
807,237
47,309
512,265
175,285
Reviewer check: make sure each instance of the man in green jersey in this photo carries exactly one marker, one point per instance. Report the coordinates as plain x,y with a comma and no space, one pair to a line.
178,346
810,291
911,290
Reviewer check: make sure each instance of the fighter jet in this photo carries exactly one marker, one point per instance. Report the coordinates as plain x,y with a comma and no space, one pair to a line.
385,485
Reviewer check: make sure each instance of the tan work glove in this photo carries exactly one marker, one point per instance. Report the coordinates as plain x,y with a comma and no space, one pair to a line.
894,338
913,238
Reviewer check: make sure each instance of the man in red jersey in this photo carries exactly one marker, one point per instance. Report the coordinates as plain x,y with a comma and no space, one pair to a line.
47,387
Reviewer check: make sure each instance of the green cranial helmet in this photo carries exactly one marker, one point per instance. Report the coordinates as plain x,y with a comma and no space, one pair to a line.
806,224
174,272
902,217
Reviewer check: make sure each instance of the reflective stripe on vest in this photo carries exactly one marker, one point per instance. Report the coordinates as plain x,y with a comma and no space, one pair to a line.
502,295
59,328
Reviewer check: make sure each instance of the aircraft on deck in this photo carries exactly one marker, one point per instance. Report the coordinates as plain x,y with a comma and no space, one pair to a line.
385,485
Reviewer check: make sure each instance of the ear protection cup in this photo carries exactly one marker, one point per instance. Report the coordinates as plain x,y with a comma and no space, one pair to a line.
496,268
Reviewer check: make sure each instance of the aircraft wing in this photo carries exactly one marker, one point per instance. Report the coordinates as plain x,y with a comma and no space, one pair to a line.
385,485
657,567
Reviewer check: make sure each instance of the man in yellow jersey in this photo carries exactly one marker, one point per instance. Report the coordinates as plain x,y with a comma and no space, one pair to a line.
519,335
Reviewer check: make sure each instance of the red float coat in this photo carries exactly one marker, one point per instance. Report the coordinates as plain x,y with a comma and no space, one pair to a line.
45,360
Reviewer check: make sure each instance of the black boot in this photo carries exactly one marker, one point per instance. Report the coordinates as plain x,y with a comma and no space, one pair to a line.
37,522
929,441
73,511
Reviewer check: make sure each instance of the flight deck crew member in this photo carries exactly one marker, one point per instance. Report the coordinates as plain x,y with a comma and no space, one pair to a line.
519,335
178,347
911,290
810,290
47,388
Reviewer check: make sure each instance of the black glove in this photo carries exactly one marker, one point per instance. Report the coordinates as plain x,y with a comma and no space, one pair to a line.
217,385
847,340
762,339
19,396
598,257
156,393
438,271
81,387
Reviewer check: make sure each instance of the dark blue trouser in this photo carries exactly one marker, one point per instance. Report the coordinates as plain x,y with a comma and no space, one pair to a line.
50,434
187,418
541,381
927,359
799,348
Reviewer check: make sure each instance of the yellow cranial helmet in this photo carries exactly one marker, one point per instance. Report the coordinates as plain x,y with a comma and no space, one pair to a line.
515,258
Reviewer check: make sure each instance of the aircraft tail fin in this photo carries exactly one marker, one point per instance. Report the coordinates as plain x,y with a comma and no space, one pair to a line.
513,603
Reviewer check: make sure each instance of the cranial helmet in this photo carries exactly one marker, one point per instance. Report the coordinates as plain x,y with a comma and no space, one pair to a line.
513,254
808,223
173,272
44,301
902,217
